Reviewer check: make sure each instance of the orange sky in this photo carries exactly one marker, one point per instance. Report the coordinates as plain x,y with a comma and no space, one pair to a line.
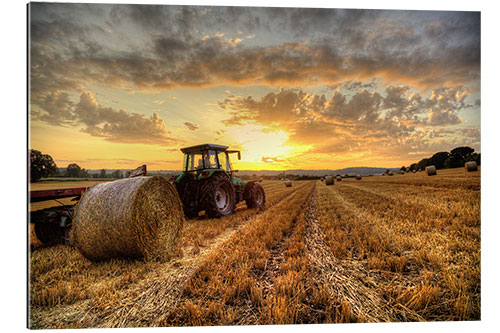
116,86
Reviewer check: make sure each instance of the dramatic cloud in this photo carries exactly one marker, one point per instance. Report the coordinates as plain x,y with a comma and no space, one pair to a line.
379,82
191,126
320,46
107,123
362,120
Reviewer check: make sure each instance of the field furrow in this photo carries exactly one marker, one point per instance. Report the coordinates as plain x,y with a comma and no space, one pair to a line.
427,263
346,282
440,202
226,288
144,294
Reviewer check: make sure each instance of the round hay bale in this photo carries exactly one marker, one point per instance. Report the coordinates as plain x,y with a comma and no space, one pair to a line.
390,173
358,177
338,178
261,179
414,171
139,217
288,183
328,180
430,170
471,166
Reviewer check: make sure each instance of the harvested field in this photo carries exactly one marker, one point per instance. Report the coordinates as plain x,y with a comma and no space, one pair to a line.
401,248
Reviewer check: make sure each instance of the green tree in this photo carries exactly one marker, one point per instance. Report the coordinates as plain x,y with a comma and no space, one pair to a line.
102,174
413,167
423,163
40,165
73,170
475,157
459,156
84,173
439,159
116,174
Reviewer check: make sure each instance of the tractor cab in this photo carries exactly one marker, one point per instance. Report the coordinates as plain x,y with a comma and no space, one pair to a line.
204,160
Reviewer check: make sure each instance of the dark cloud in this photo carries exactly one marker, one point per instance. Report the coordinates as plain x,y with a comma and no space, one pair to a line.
56,106
471,132
190,126
322,46
105,122
121,126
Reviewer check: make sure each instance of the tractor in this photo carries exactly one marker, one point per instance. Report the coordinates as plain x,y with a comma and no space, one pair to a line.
207,182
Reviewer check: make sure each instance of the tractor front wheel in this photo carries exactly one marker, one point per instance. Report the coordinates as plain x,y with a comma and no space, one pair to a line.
218,196
255,196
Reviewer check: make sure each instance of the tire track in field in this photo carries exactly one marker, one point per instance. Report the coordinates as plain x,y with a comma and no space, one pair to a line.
151,301
276,255
265,280
347,281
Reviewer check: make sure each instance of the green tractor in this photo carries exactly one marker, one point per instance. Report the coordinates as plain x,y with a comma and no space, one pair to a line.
207,182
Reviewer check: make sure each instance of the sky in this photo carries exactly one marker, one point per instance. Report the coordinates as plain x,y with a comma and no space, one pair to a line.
117,86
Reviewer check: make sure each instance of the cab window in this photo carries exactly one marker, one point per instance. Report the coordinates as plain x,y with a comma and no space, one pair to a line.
223,161
212,160
195,161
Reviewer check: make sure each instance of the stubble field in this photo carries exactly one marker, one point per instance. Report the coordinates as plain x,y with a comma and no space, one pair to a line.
400,248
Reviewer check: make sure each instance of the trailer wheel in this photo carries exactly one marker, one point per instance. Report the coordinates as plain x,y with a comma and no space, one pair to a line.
49,233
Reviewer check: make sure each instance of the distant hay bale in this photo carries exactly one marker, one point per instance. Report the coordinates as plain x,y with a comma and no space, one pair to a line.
338,178
430,170
358,177
261,179
328,180
390,173
288,183
140,217
414,171
471,166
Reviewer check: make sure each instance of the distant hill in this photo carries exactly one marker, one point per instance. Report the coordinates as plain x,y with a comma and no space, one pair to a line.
364,171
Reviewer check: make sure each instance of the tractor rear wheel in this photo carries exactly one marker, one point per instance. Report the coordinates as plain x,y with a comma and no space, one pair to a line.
218,196
255,197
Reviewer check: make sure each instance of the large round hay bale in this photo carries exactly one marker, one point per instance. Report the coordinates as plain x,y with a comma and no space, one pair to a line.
140,217
471,166
358,177
328,180
430,170
288,183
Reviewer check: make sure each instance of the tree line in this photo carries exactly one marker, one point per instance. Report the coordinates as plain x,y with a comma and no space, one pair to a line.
43,166
456,158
